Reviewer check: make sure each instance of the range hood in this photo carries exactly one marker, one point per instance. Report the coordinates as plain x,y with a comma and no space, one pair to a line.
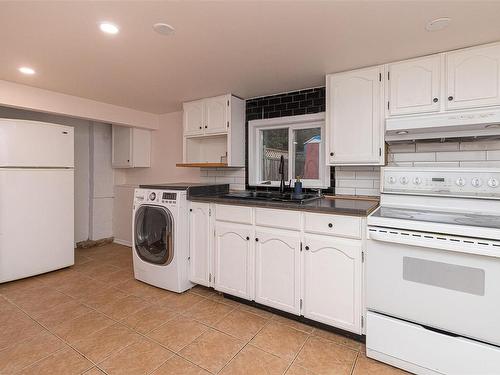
470,123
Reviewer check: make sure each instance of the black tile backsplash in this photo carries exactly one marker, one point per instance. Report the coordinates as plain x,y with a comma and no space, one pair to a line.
287,104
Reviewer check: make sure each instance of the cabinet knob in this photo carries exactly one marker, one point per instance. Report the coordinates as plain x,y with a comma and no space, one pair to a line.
201,127
206,127
256,239
330,225
248,238
190,210
450,98
331,153
307,247
435,100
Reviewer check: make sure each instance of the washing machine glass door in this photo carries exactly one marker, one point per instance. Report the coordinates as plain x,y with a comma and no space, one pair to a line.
154,234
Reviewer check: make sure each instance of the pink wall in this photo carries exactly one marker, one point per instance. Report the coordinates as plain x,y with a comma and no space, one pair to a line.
35,99
166,151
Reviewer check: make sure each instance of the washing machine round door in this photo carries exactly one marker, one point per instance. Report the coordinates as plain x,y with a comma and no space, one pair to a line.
154,234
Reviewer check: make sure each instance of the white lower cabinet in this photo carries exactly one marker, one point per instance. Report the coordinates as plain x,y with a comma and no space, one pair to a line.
277,269
299,267
332,281
233,259
200,244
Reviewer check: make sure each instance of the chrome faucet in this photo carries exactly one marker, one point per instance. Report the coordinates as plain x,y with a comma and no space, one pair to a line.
281,171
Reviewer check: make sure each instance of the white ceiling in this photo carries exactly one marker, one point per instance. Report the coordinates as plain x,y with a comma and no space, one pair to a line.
247,48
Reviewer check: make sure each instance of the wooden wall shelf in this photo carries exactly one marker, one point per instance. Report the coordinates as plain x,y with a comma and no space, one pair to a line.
202,165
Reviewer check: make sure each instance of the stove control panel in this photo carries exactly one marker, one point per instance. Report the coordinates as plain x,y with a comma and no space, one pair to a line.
479,183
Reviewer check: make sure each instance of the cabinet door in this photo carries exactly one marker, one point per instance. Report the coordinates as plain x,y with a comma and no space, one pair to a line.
122,147
234,259
414,86
141,148
473,77
332,282
193,118
277,269
355,117
200,241
216,114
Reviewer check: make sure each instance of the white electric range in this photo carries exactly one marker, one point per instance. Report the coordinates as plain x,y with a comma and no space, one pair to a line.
433,271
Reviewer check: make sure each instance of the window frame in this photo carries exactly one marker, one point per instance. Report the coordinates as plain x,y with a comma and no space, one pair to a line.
316,120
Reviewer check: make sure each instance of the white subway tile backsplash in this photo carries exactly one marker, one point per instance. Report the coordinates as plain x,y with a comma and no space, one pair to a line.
345,174
373,192
345,191
401,147
355,183
480,164
493,155
437,164
367,175
481,145
422,156
471,154
461,156
437,146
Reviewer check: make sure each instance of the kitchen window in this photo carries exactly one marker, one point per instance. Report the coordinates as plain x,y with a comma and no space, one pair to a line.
299,139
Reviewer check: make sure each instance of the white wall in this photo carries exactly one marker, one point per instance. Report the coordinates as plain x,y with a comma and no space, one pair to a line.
467,153
101,182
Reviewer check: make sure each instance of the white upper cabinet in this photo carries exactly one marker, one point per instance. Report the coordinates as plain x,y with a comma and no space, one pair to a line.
200,243
473,77
332,282
277,269
193,117
234,259
131,147
355,117
414,86
216,114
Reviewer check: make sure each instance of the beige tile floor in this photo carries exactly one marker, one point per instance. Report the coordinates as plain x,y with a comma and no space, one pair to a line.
94,318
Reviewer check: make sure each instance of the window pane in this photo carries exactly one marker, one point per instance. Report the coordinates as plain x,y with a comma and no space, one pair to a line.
274,145
306,153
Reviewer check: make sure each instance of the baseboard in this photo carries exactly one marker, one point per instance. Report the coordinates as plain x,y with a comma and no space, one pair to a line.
122,242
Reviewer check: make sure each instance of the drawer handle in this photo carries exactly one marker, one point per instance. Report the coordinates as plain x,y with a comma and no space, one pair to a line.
330,225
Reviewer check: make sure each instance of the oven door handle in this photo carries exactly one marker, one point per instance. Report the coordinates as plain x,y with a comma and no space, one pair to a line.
436,241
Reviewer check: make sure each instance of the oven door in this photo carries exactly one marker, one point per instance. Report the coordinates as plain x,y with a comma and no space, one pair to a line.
429,279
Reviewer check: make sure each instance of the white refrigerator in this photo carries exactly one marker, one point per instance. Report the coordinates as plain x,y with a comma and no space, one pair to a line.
36,198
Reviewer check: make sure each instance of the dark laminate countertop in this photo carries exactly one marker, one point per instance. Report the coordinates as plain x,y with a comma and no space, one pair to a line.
330,204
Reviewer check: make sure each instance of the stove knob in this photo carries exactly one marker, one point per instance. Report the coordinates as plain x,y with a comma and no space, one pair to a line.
152,196
403,180
493,182
392,180
476,182
417,180
460,181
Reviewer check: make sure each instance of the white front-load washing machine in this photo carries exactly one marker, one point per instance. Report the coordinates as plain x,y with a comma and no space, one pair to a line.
160,238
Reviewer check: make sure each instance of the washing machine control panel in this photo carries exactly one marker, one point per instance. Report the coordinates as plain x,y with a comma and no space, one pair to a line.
169,196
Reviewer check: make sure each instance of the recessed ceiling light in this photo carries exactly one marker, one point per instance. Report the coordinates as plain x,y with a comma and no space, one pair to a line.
438,24
109,28
163,28
26,70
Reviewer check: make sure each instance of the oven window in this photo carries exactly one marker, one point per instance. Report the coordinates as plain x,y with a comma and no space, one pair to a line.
154,231
444,275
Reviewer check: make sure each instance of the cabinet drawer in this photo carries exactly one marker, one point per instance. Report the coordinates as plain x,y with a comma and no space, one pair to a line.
334,225
234,214
277,218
